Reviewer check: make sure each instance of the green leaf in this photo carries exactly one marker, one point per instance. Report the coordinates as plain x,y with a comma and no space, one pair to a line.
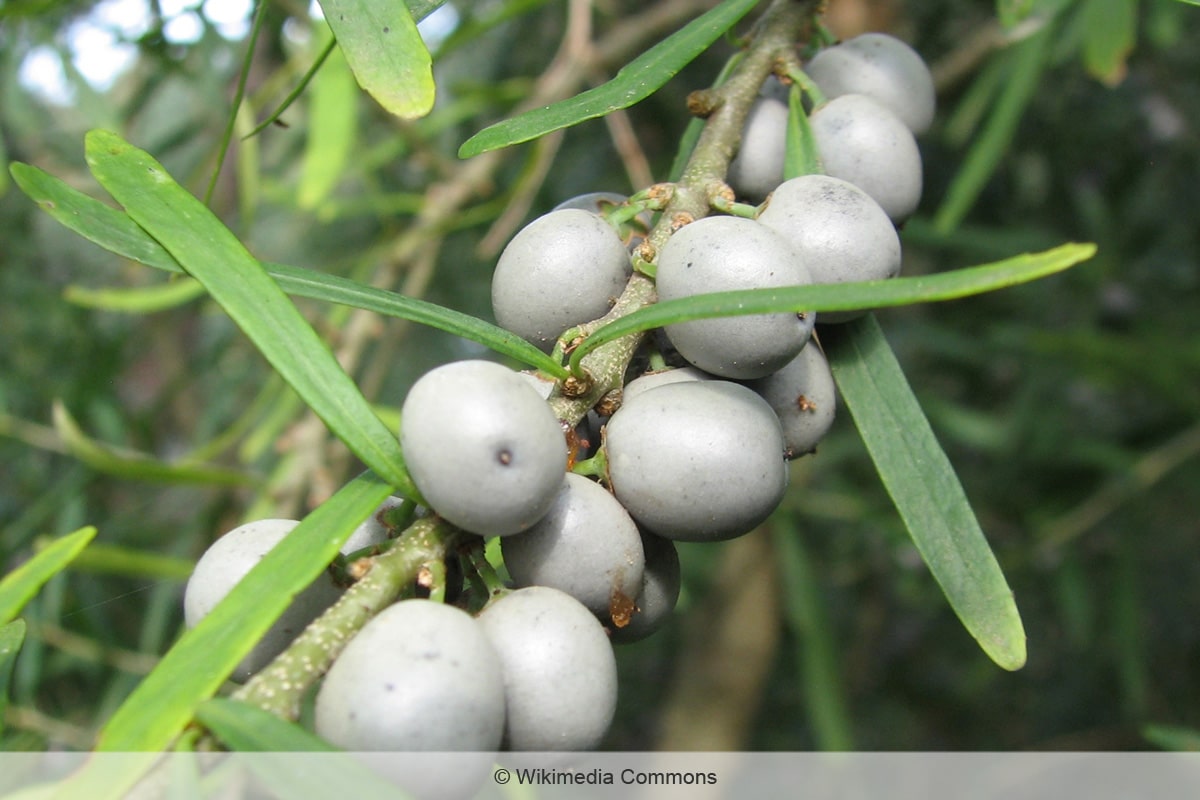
334,289
1028,60
109,778
420,9
115,231
1173,737
137,300
213,255
332,130
106,226
192,671
800,156
246,728
815,646
843,296
636,81
19,586
272,745
924,487
3,191
113,559
1109,34
1010,12
320,777
974,104
386,53
12,636
134,465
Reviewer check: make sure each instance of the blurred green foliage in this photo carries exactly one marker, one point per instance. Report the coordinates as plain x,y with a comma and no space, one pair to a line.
1069,407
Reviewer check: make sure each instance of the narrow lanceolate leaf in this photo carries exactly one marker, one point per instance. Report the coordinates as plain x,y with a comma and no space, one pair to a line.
19,586
246,728
386,53
115,231
636,81
136,300
335,289
816,648
114,559
1028,61
210,252
1109,35
1011,12
1175,738
923,485
800,155
134,465
12,636
324,775
110,778
192,671
332,130
843,296
420,9
327,772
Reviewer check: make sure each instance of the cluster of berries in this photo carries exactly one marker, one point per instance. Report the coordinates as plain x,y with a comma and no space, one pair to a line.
694,453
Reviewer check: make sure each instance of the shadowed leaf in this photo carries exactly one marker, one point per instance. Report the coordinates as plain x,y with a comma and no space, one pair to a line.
385,52
19,586
924,487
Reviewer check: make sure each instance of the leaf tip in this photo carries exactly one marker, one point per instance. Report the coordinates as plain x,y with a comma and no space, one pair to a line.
1008,652
100,139
1012,661
85,534
409,105
471,148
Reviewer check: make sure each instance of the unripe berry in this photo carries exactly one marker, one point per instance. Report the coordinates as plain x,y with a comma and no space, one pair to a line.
758,166
862,142
560,676
595,202
419,676
650,380
226,562
586,546
883,68
842,234
722,253
661,582
632,232
697,460
482,447
804,397
564,268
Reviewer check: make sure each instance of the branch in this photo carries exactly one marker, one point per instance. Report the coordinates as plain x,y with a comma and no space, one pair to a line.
783,23
280,686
